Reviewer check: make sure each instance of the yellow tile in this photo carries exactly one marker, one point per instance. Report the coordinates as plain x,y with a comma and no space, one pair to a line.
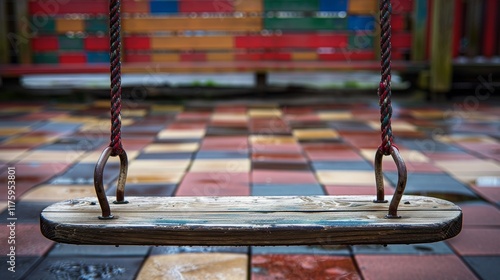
271,140
335,116
465,139
10,155
195,266
59,192
221,165
396,125
181,133
163,177
130,113
349,178
470,166
303,134
173,148
229,117
3,205
30,140
264,113
429,114
8,131
408,156
157,166
53,156
167,108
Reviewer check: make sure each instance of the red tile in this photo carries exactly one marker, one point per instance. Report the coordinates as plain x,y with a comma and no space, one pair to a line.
29,240
188,125
214,184
283,177
439,156
198,116
278,157
491,194
225,143
418,167
230,109
356,190
281,148
266,267
441,267
480,215
477,241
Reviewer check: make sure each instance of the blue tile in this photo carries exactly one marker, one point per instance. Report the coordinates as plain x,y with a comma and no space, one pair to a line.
361,23
74,144
286,190
23,265
437,248
59,127
164,6
428,145
333,5
83,174
61,250
487,267
341,165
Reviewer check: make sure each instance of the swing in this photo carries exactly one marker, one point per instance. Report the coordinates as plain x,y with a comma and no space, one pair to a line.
273,220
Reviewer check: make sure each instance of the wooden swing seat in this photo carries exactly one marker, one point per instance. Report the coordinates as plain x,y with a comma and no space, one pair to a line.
277,220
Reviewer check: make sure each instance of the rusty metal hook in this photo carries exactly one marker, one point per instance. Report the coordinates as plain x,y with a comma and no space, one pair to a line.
99,185
379,178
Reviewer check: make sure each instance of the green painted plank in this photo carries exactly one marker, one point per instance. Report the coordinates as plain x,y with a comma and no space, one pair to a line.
96,25
43,24
361,41
291,5
46,58
306,23
70,43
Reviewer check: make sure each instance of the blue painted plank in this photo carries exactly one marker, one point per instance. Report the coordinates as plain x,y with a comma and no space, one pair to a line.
333,5
361,23
164,6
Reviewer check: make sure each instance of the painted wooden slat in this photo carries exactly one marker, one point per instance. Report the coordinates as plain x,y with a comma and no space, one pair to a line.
348,55
248,6
45,43
93,43
401,40
291,5
490,28
419,42
362,7
71,58
402,7
135,7
93,7
163,6
304,56
137,57
251,221
191,57
398,22
192,43
69,25
157,24
223,56
333,6
204,6
136,43
304,40
165,57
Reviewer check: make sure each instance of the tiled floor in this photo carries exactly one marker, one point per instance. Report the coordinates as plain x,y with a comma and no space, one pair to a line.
286,147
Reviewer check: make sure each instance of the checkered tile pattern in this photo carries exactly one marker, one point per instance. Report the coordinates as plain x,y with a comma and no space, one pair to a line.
252,148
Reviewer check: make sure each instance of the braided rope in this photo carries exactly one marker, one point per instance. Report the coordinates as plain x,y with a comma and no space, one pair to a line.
384,90
115,68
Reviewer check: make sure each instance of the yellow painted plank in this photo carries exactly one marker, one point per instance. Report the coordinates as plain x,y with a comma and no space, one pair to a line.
304,56
363,7
156,24
248,6
227,56
70,25
192,43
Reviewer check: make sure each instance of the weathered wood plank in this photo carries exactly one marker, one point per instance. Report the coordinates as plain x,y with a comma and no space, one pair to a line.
251,221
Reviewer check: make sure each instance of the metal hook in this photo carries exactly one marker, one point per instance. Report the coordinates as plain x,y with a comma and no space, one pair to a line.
379,178
99,185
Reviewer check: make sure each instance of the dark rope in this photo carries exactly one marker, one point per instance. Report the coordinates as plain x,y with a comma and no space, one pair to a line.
115,68
384,90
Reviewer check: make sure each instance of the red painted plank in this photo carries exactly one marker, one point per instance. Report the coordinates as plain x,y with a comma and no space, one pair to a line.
193,57
398,22
135,57
136,43
458,26
197,6
71,58
401,40
267,56
490,27
96,43
45,43
135,7
69,7
292,41
345,55
402,6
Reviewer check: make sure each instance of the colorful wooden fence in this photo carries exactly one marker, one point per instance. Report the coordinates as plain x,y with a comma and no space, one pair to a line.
75,32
